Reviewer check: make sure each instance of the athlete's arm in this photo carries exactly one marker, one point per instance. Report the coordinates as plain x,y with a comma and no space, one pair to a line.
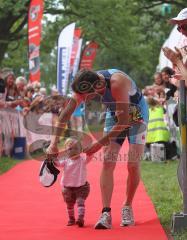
63,118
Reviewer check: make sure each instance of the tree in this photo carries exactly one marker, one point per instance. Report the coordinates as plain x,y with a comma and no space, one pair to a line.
130,33
13,20
13,17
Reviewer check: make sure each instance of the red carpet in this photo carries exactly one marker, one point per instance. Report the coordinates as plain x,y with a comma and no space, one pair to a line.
29,211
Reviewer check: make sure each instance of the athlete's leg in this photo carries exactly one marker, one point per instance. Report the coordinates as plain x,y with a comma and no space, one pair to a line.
133,167
136,150
107,178
107,183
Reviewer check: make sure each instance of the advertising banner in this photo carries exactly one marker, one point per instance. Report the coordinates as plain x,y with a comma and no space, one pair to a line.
65,43
89,55
34,38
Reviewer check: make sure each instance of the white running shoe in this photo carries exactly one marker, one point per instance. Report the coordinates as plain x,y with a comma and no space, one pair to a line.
105,221
127,218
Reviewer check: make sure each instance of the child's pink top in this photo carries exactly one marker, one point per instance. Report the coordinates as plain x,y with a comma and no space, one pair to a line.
74,171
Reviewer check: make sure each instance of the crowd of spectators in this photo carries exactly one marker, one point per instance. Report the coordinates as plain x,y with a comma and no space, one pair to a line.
159,95
162,95
16,92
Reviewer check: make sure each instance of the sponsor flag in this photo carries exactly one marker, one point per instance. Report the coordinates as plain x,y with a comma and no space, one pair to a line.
65,43
34,37
75,47
77,58
89,55
75,65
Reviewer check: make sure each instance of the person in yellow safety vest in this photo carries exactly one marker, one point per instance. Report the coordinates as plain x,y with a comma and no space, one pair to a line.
157,128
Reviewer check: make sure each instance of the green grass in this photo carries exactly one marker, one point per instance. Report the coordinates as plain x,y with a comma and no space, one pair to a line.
161,183
6,163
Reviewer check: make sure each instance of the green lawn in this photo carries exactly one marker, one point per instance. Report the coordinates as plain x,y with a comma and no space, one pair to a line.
161,183
6,163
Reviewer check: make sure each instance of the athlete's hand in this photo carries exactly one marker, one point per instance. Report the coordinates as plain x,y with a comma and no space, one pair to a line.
52,151
93,148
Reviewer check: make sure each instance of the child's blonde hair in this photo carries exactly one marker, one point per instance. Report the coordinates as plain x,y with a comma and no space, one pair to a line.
72,140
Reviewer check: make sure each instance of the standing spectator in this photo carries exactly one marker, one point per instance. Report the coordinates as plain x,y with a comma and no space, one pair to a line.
181,21
21,85
149,91
36,86
157,127
2,90
158,81
167,74
54,91
11,89
11,93
29,93
179,58
43,91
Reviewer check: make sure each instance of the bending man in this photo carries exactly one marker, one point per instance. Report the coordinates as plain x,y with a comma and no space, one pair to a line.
118,90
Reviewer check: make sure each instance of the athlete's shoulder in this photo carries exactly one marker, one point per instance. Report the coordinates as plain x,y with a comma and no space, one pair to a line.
114,70
109,70
120,80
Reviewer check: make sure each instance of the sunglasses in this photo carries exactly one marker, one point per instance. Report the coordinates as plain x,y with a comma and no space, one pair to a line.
87,87
182,27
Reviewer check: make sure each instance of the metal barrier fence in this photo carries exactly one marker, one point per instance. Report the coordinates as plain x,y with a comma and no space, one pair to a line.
11,126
